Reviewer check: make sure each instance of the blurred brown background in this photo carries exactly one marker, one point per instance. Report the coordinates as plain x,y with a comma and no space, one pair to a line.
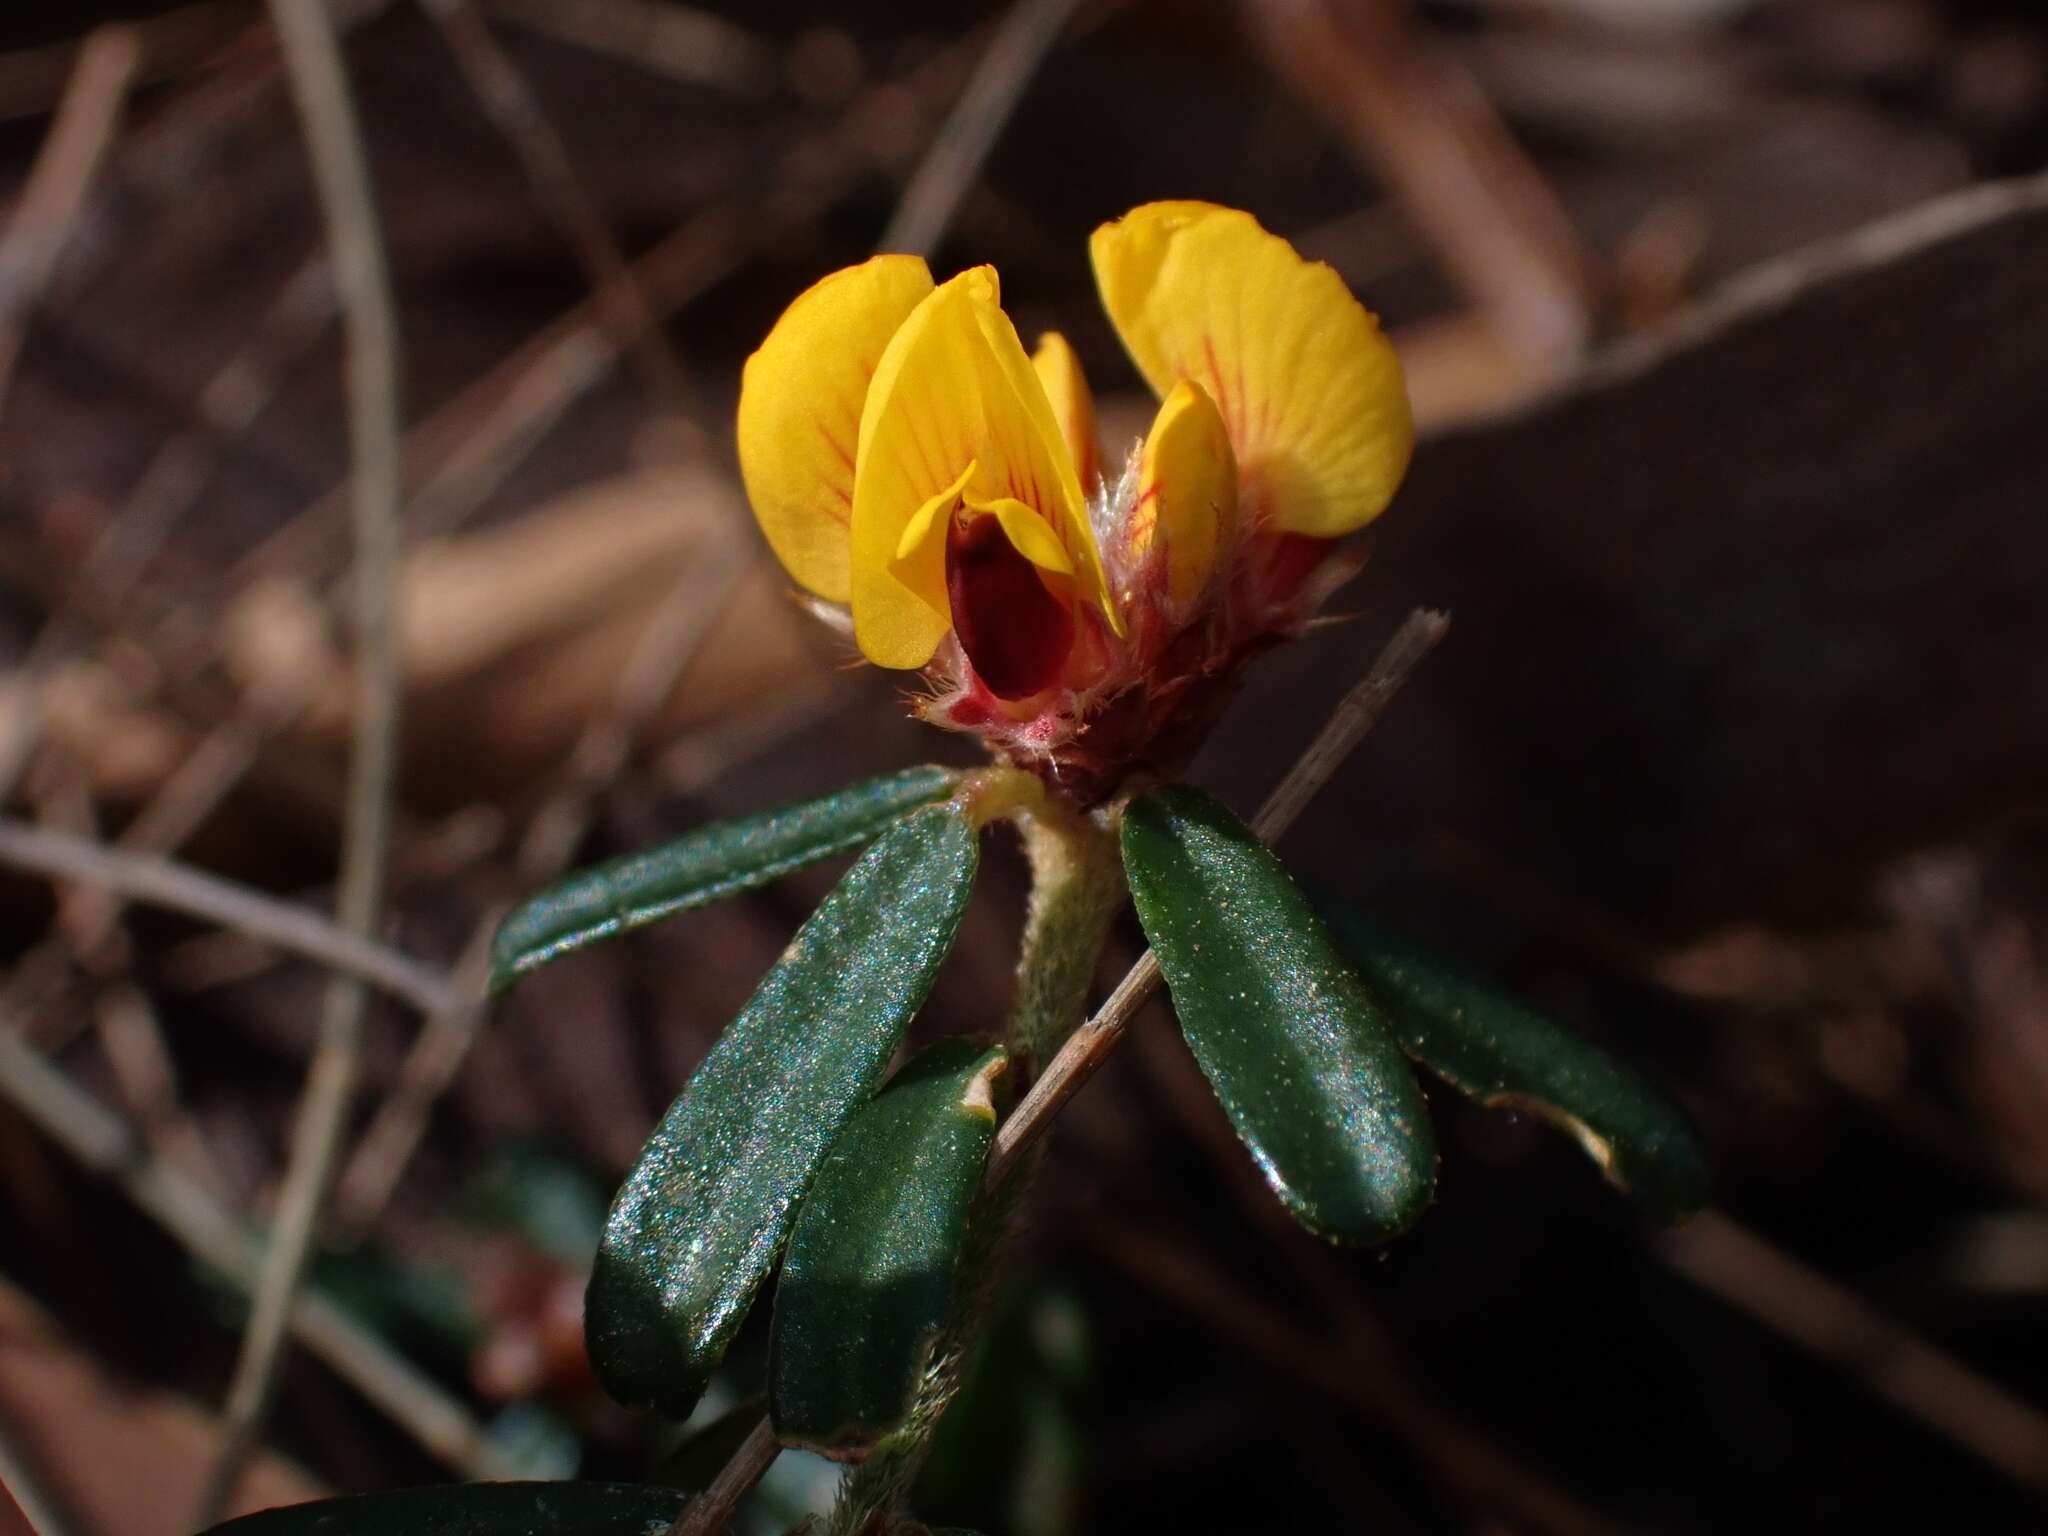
1727,326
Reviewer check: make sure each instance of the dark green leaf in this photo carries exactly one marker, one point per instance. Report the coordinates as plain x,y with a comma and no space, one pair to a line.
476,1509
1305,1065
709,865
1501,1052
700,1219
867,1284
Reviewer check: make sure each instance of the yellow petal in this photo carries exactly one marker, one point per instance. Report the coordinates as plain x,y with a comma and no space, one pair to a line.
1028,533
954,410
1309,389
1187,490
1037,458
929,521
800,409
1073,407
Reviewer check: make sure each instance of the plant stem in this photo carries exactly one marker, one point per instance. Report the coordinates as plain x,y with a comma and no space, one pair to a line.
1090,1045
1077,888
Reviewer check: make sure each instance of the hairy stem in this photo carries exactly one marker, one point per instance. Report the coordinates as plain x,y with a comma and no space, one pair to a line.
1077,888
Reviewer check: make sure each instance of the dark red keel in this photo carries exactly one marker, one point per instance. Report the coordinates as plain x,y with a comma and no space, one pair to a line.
1015,632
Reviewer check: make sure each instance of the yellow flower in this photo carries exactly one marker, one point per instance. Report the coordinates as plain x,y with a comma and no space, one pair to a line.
907,459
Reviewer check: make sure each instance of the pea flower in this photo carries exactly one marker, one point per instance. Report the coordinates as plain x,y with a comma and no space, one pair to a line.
943,492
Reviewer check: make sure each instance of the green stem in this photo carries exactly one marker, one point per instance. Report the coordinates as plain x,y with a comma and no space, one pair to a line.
1077,888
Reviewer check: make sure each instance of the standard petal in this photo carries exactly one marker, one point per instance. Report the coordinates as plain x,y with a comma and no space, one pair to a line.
1073,406
1308,387
1187,490
800,408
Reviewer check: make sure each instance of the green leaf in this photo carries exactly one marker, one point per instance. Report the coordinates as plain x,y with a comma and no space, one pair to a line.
867,1284
475,1509
1305,1065
700,1219
708,865
1501,1052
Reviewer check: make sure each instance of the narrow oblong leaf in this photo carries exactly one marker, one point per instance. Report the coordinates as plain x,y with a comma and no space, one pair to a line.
1305,1064
1501,1052
475,1509
699,1221
708,865
867,1284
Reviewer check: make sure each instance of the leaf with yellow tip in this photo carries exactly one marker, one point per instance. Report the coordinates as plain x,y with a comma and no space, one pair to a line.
867,1285
1309,388
1498,1050
1073,405
1187,490
801,397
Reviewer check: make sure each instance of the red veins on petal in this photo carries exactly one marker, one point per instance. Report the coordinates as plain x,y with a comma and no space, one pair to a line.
1291,560
1015,632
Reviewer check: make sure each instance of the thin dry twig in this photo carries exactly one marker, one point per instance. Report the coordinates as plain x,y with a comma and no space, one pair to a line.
165,492
551,839
33,80
1090,1045
76,1121
319,82
1463,1457
19,1482
711,1511
168,883
970,131
1726,1259
57,184
130,1035
683,42
622,304
1430,133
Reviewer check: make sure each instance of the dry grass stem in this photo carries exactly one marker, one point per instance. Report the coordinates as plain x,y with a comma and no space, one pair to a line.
1727,1260
76,1121
70,157
683,42
334,141
1463,181
955,157
509,101
265,918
